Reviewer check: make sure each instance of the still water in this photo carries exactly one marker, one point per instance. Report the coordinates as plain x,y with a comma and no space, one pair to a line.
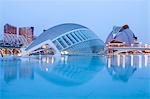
76,77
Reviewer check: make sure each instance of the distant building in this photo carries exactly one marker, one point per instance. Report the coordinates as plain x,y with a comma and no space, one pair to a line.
10,29
122,34
11,38
27,32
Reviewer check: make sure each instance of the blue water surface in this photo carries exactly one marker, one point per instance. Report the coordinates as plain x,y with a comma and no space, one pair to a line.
75,77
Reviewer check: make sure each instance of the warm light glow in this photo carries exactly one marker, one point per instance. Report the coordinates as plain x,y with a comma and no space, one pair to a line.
47,60
146,60
19,54
45,46
53,60
131,60
140,61
109,62
124,61
64,52
118,60
146,45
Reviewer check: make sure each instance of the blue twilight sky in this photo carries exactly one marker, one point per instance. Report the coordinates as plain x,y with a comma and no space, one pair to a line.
98,15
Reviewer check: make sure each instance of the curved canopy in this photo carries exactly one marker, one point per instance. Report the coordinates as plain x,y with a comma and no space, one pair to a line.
54,32
122,34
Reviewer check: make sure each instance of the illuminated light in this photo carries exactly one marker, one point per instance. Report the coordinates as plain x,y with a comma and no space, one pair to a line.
66,59
46,69
45,46
132,60
62,59
109,62
19,54
140,61
52,60
43,59
47,60
118,60
146,60
124,61
146,45
64,52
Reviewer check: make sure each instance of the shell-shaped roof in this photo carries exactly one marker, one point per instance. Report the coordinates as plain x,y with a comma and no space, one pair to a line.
122,34
54,32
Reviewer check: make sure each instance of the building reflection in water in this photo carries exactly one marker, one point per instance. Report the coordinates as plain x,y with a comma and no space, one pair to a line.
64,71
14,69
10,73
71,70
122,67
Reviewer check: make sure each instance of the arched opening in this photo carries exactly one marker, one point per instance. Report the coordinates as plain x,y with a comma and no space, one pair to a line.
15,51
45,49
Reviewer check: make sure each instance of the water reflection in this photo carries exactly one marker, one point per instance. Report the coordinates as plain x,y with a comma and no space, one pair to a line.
122,67
65,70
13,70
71,70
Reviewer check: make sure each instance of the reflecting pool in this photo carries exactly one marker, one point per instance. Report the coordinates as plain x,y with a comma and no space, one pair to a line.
76,77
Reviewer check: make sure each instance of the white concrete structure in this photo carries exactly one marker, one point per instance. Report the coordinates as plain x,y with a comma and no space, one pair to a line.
68,39
122,34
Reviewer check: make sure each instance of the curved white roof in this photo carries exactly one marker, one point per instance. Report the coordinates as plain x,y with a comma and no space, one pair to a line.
55,32
67,37
121,34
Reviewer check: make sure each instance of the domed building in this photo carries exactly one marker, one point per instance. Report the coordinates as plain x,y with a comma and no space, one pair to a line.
121,35
66,38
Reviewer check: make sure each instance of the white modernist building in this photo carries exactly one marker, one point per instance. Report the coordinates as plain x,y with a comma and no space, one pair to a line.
122,34
66,38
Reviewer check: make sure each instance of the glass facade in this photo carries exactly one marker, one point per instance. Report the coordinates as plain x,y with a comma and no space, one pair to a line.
69,39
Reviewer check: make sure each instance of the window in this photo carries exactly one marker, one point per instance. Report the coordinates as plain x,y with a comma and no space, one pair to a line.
77,34
80,33
66,40
74,37
61,42
85,33
57,45
70,38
